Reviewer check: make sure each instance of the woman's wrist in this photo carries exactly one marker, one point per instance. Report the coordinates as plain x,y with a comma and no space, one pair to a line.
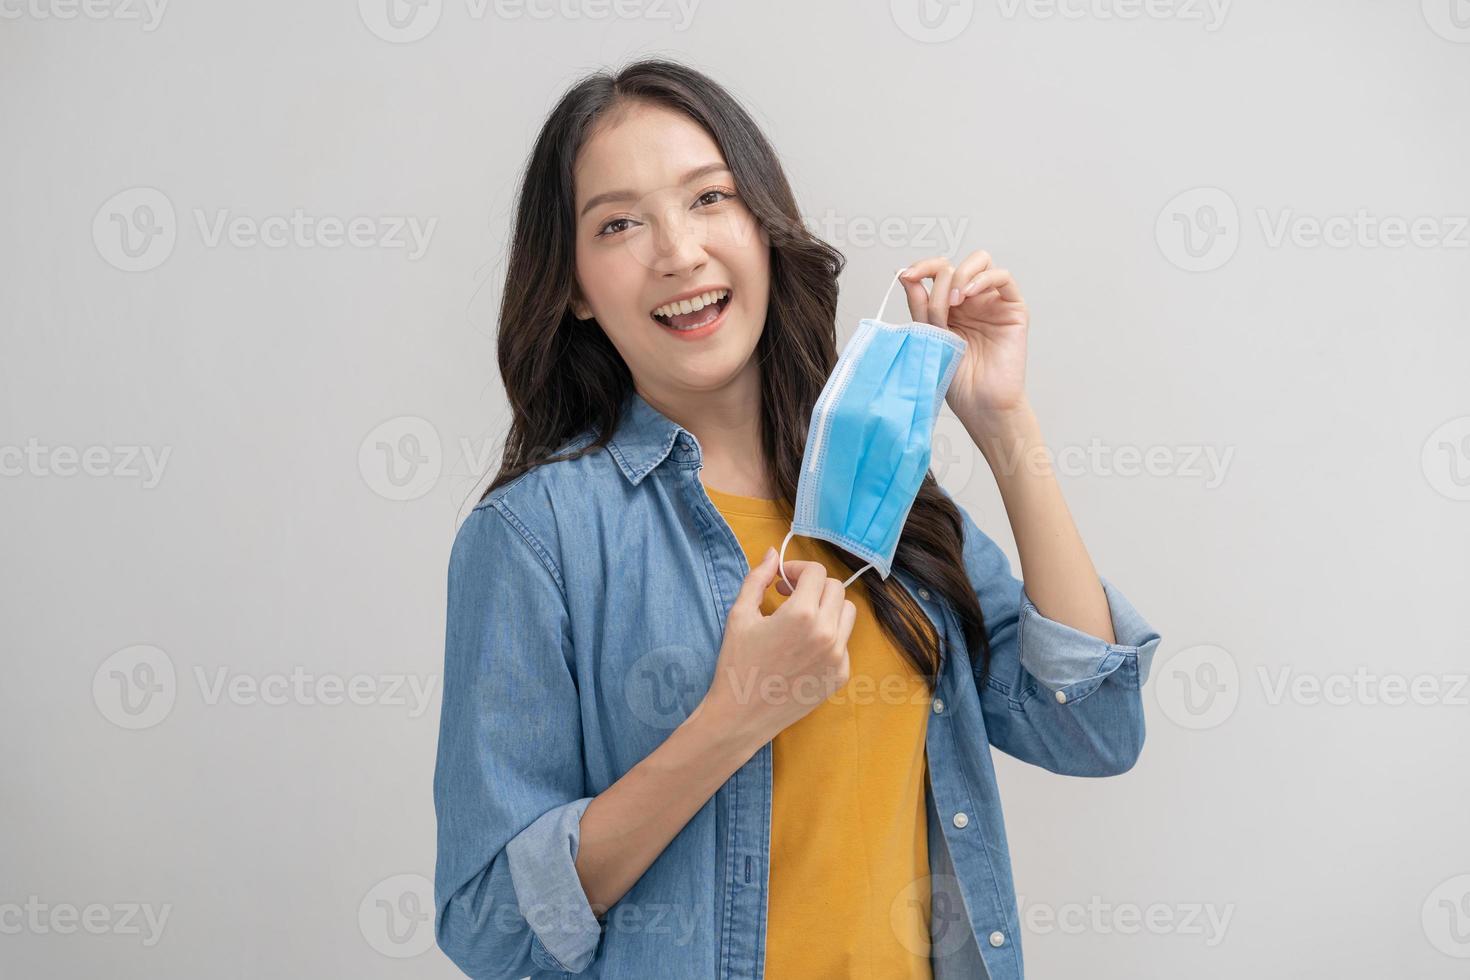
717,733
1004,437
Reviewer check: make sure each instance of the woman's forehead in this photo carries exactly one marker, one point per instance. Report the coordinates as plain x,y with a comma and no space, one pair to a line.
647,150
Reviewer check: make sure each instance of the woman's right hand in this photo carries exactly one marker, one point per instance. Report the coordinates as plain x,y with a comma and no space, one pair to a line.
774,670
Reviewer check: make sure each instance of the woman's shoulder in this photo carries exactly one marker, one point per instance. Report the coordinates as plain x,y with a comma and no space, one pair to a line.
561,499
572,472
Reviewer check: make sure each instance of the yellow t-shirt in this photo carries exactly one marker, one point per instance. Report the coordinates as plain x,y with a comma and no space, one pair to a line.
849,895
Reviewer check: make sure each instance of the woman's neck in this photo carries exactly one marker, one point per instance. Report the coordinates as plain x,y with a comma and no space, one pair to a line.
727,423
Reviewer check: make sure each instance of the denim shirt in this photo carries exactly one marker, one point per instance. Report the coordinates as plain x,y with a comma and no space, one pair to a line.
586,608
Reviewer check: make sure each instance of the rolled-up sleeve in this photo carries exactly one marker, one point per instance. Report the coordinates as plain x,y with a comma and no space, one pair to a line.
1054,696
509,789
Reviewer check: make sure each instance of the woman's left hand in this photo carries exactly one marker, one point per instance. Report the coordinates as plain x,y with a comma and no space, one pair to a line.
984,306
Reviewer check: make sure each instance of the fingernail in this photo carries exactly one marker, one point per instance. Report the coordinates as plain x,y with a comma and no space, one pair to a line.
905,273
954,296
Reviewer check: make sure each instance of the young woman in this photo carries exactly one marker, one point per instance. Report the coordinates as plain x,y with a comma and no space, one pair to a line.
657,759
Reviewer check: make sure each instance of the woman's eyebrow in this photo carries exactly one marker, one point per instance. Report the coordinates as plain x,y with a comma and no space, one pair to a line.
607,197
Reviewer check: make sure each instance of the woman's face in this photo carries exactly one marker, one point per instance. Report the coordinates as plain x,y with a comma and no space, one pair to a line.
657,221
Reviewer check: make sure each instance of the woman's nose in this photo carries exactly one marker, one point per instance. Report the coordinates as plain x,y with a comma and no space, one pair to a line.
679,243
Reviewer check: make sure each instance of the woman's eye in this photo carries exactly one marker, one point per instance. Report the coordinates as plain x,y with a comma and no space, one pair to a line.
604,231
712,196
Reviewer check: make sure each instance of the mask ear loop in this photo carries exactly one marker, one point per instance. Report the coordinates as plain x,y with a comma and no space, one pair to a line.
781,564
884,305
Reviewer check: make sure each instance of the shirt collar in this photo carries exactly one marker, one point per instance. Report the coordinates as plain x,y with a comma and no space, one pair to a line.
644,437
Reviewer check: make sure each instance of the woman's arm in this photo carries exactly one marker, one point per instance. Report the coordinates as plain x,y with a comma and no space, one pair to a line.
629,824
802,645
1059,575
984,305
508,783
1069,654
1063,686
1053,695
528,859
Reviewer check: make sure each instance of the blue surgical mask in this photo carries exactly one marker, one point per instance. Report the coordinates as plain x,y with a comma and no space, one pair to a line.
867,449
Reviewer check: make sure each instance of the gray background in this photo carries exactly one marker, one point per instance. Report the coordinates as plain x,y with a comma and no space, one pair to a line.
328,414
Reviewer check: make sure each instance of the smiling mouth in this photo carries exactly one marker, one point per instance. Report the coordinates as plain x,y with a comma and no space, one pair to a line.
695,319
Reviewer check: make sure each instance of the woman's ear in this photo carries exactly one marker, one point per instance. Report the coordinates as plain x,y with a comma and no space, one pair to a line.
579,308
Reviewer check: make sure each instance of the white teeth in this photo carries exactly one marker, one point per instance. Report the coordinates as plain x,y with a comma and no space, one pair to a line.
690,305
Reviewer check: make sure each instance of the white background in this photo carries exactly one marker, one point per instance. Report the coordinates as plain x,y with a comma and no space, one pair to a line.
298,391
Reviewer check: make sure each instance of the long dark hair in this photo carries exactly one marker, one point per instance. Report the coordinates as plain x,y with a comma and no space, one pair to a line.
564,377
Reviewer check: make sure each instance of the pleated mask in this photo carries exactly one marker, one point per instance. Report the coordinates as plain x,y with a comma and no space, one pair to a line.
871,432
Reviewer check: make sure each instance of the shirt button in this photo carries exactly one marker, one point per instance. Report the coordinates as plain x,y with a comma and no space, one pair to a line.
924,594
997,939
960,819
1061,697
938,706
